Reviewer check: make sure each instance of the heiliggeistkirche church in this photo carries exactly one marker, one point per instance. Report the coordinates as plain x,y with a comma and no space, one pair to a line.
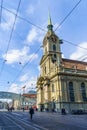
62,82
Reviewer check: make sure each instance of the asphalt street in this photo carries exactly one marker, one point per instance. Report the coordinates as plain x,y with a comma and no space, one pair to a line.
18,120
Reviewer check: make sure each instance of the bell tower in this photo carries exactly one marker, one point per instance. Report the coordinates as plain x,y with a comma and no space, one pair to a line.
50,65
51,47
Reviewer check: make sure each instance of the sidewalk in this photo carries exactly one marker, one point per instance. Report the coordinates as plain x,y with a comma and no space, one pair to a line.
53,121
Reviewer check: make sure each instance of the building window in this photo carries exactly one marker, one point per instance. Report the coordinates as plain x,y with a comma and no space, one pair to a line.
83,92
52,87
54,47
55,56
45,69
71,92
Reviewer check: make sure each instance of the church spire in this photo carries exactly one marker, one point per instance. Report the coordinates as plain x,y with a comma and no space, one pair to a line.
50,26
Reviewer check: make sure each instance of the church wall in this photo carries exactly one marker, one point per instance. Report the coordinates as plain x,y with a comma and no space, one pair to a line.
64,75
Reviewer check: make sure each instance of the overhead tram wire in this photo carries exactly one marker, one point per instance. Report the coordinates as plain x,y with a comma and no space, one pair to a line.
21,38
68,15
82,56
10,36
26,64
1,11
77,46
29,21
22,18
74,44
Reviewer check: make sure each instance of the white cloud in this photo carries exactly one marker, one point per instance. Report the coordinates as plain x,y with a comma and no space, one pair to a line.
14,56
39,68
32,57
14,88
80,53
24,77
57,26
30,83
7,22
31,35
34,35
30,9
63,56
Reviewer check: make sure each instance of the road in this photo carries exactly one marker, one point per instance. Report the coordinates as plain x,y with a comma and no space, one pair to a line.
18,120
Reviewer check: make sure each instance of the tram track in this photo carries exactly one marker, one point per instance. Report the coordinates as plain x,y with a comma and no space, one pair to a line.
22,123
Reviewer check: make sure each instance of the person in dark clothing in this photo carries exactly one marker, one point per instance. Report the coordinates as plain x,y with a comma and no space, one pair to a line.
63,111
31,111
23,109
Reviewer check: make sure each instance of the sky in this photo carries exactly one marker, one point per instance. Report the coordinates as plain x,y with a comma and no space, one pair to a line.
23,25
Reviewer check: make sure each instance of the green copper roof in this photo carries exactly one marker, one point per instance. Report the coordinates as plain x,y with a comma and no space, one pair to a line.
50,26
49,20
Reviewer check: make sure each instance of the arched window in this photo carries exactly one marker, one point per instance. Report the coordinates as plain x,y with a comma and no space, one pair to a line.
83,91
71,92
54,47
52,87
45,69
55,56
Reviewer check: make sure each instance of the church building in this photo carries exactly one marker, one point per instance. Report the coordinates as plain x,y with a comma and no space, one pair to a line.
62,82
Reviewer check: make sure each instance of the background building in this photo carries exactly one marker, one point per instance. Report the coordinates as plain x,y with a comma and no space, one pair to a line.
28,100
62,82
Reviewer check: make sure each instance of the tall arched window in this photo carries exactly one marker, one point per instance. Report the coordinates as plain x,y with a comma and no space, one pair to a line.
55,56
52,87
71,92
45,69
83,91
54,47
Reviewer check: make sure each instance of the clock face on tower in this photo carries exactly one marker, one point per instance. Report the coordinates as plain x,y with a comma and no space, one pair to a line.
53,38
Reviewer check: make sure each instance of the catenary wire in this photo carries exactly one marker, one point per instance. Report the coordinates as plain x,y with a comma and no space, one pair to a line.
10,36
77,46
21,39
1,11
74,44
22,18
33,56
24,67
26,64
63,40
68,15
84,58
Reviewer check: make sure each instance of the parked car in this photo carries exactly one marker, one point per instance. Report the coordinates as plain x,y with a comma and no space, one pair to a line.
78,111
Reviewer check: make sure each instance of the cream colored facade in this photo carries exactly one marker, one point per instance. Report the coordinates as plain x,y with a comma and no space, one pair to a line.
16,104
62,82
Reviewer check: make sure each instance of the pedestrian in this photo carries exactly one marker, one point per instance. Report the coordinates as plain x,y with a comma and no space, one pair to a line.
31,111
63,111
23,109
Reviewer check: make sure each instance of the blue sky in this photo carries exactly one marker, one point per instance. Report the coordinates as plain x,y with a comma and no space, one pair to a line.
19,62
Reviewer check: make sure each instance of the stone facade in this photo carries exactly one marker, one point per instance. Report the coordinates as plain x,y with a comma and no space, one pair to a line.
62,82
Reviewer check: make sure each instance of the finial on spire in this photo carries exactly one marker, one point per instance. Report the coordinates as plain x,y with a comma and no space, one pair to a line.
49,20
50,26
